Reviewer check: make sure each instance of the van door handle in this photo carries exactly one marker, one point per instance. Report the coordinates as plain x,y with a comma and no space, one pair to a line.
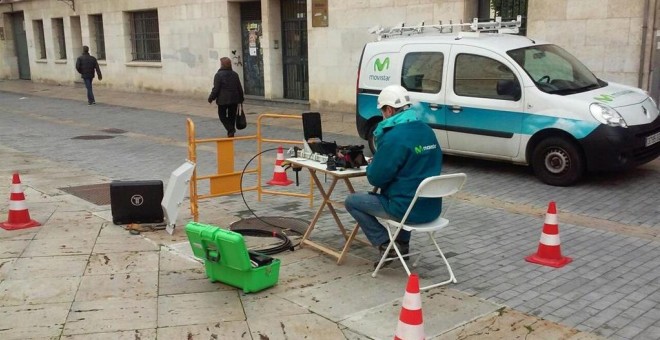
456,108
435,107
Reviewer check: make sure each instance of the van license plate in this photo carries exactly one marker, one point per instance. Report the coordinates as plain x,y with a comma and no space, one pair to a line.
652,139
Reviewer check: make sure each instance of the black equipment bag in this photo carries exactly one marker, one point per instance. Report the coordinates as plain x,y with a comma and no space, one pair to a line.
136,201
350,156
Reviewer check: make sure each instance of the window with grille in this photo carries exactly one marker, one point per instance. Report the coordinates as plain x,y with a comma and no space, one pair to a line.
39,37
58,35
144,36
507,9
96,25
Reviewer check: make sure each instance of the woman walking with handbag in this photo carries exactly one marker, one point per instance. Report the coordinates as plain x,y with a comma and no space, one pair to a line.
227,93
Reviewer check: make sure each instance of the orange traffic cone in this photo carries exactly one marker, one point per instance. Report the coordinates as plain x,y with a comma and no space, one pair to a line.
19,216
279,175
549,252
411,325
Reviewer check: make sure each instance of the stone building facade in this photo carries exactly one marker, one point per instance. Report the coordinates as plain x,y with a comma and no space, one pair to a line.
300,50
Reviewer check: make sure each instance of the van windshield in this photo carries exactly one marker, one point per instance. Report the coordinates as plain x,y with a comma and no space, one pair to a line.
554,70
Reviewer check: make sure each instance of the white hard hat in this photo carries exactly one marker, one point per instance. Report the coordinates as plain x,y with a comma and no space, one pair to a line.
395,96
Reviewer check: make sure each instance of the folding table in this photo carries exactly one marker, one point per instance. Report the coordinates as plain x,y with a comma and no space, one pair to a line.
314,168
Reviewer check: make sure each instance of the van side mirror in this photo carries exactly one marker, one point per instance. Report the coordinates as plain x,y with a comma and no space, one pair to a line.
509,89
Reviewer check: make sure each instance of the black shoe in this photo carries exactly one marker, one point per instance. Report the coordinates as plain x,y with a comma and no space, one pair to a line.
230,134
404,248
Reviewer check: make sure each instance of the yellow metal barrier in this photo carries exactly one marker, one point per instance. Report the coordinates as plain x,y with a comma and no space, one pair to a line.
262,140
226,180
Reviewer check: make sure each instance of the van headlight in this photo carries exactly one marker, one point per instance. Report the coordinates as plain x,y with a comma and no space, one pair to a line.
607,115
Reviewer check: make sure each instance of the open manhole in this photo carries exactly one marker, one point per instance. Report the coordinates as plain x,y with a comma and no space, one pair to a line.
113,130
93,137
292,224
265,230
98,194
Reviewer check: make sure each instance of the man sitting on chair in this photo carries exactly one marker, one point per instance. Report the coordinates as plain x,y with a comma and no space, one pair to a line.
407,153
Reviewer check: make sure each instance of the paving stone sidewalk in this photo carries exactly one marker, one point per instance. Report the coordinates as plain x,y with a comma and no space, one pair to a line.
337,122
78,276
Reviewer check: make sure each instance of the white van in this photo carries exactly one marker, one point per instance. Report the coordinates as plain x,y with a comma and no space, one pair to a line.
510,98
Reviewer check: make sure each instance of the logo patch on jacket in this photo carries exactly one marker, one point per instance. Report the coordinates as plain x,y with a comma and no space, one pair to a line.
419,149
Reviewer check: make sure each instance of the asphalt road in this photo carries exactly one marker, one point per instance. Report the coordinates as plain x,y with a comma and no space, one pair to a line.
144,144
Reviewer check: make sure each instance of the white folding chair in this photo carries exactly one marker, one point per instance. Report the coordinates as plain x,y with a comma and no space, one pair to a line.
435,187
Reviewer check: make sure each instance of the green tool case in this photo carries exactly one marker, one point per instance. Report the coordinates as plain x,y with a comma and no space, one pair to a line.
227,259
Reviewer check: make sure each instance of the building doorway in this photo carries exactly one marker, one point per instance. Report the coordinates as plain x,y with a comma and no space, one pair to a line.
294,49
20,44
654,89
253,59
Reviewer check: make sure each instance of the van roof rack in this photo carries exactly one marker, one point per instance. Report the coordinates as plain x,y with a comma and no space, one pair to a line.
473,28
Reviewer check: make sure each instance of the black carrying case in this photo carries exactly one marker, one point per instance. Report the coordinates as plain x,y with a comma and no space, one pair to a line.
313,133
136,201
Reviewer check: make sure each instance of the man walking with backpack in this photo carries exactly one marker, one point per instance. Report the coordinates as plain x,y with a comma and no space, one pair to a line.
86,65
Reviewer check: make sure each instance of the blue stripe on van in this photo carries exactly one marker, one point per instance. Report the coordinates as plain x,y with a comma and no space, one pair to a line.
484,122
508,122
367,106
532,123
487,122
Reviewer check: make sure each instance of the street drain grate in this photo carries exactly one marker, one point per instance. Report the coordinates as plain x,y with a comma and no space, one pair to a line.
93,137
98,194
113,130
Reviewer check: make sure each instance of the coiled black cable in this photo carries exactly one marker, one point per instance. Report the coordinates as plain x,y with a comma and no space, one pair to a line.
286,242
284,246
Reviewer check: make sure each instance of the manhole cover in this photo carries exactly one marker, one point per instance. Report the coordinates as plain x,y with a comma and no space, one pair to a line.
296,225
113,130
98,194
264,229
93,137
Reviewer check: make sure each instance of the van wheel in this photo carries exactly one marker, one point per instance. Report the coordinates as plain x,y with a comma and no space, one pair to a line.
370,139
557,161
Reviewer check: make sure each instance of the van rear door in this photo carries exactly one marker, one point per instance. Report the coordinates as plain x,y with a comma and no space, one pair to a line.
423,74
484,104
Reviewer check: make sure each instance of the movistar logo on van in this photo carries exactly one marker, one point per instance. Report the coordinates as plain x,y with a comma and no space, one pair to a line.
610,97
419,149
380,66
604,98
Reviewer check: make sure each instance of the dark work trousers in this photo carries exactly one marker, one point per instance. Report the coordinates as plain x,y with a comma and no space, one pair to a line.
227,115
90,94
